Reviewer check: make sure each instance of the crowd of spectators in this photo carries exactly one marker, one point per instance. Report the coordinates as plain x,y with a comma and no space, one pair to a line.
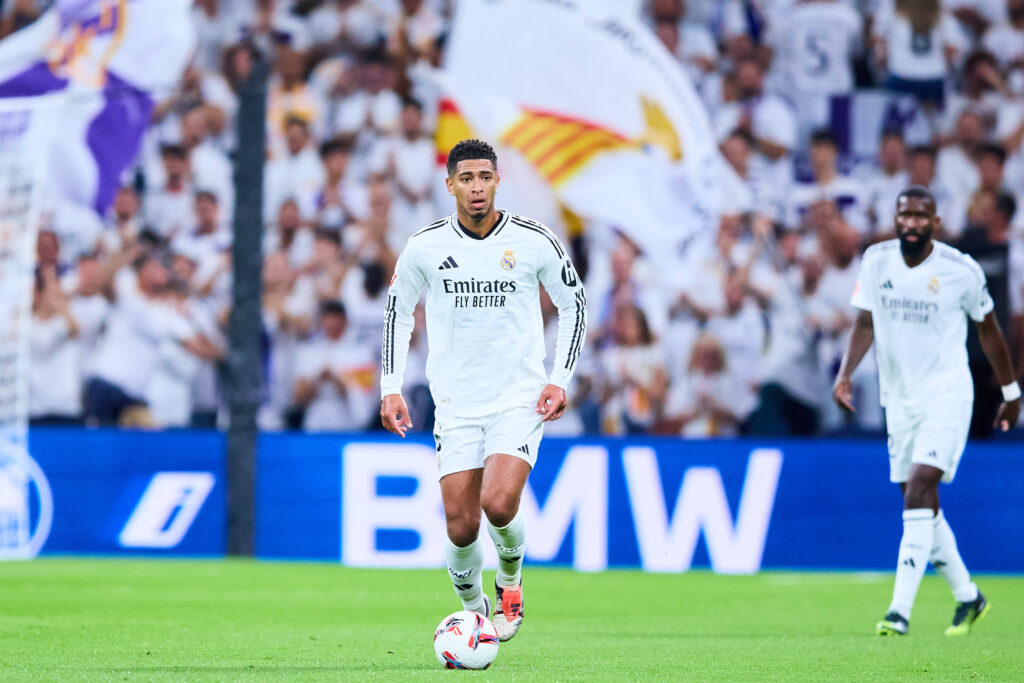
131,311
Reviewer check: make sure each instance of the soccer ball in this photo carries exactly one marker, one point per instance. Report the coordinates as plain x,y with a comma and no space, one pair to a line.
465,640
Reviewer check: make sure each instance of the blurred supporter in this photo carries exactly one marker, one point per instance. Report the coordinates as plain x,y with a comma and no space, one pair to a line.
367,270
55,378
124,222
957,161
709,400
89,306
295,174
339,199
211,168
740,330
290,99
290,235
688,41
833,317
271,25
917,43
415,24
951,206
346,25
198,88
48,255
287,319
813,44
181,349
988,240
617,283
209,236
211,25
848,193
982,92
322,275
168,207
766,198
768,119
1005,39
133,330
369,107
886,180
991,170
408,159
633,369
794,381
335,377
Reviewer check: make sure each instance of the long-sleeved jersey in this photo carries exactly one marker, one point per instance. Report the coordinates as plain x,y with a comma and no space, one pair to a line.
485,332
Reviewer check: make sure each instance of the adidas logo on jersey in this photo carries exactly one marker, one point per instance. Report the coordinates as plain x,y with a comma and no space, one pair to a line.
524,449
887,284
448,263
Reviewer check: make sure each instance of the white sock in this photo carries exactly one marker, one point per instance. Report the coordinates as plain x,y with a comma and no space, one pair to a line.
465,566
915,547
510,542
946,559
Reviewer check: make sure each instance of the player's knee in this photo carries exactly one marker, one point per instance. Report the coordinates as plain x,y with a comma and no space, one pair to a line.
500,508
919,494
463,529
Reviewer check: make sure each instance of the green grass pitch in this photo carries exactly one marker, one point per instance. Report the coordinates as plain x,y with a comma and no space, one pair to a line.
111,619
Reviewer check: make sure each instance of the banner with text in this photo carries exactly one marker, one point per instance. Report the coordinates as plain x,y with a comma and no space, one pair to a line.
659,504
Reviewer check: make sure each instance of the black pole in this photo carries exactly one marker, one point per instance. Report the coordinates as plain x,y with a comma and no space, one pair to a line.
245,332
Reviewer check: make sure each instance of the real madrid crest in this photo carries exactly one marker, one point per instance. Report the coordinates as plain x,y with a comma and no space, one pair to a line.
508,260
933,285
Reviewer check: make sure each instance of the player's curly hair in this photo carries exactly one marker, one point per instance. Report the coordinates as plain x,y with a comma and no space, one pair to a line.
471,149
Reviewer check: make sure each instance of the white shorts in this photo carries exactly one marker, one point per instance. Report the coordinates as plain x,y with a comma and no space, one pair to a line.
463,443
934,436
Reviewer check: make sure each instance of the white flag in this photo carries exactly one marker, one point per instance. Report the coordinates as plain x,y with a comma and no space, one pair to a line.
603,115
111,59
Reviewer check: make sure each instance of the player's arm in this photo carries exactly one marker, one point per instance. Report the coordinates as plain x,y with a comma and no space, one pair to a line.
861,338
403,295
563,284
860,341
978,305
998,354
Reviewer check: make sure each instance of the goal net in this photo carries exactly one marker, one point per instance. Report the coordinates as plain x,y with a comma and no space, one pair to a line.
26,127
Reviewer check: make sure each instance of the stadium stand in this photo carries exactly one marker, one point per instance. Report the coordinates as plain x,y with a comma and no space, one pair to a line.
749,348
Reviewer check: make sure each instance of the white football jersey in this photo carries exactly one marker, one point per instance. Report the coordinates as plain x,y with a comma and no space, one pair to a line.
485,332
920,321
815,42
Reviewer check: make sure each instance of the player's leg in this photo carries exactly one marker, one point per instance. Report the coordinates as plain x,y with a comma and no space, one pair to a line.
513,440
464,552
920,501
945,557
460,462
948,444
901,443
504,478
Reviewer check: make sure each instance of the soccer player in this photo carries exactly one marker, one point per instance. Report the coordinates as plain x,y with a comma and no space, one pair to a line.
482,268
914,294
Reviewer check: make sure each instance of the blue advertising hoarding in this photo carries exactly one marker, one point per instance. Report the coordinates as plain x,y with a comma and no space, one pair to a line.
660,504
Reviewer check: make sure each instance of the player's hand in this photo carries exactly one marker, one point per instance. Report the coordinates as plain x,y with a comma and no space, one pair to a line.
394,414
551,403
842,393
1007,415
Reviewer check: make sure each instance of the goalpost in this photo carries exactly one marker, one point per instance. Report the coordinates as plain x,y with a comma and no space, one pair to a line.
26,130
